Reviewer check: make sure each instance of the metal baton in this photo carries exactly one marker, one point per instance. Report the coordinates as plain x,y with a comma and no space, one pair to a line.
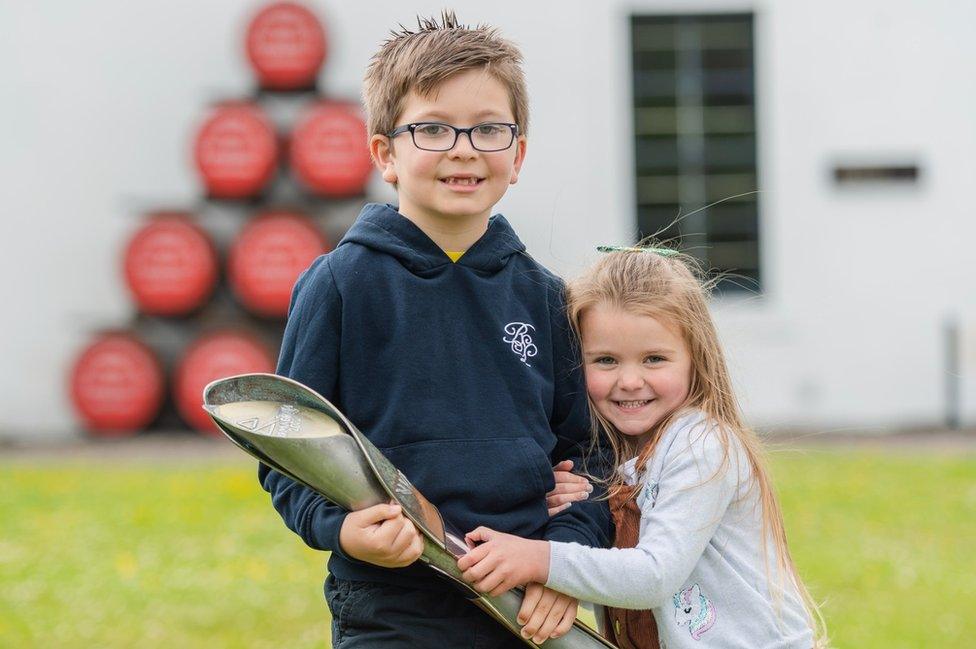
298,433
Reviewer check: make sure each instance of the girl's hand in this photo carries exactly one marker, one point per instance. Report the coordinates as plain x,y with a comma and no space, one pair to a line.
503,561
569,488
545,613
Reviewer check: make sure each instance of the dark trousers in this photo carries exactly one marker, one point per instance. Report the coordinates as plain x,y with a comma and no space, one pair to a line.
370,615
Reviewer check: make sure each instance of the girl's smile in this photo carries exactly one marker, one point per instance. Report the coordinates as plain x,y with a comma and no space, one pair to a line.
632,406
638,368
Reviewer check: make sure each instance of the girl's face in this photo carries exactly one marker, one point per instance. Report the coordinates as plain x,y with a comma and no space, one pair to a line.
638,368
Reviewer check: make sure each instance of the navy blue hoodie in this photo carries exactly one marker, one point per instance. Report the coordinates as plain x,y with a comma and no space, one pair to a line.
464,375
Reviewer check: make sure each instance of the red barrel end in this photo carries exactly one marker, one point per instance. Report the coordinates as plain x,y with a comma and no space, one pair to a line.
329,152
268,256
236,151
211,357
286,46
117,385
170,266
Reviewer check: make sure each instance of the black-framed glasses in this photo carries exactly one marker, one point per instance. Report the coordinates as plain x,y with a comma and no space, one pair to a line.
486,137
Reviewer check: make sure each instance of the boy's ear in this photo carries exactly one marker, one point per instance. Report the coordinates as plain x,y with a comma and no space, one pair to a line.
520,145
381,150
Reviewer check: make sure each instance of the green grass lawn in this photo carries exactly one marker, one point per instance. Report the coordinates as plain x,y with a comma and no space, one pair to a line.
123,554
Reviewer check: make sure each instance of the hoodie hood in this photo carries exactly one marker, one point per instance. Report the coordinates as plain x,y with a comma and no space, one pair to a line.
381,228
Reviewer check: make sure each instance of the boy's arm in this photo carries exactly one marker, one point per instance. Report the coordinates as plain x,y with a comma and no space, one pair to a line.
309,355
587,522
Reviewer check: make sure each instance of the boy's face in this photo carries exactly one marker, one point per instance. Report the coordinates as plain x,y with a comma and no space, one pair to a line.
462,184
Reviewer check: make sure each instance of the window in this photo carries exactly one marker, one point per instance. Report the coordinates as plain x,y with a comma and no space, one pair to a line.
695,139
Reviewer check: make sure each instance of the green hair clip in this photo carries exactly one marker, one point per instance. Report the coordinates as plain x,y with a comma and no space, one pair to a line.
664,252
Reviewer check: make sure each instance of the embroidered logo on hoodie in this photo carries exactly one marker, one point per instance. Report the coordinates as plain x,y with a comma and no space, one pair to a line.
520,339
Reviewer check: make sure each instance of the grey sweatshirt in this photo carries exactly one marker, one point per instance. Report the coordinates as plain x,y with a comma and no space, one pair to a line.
698,564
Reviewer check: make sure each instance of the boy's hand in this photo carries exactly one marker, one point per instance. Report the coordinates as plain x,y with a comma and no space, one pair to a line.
503,561
381,535
569,488
545,613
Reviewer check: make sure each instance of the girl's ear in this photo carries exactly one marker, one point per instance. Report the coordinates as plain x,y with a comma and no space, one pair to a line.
519,159
381,150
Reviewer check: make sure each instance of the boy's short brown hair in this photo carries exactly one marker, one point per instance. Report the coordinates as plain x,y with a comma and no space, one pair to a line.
420,60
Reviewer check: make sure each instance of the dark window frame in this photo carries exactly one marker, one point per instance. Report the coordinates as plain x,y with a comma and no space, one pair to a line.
695,140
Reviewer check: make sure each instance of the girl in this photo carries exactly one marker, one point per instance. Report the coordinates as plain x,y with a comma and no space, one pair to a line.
701,553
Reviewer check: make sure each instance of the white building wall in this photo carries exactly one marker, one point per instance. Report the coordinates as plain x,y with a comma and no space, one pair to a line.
101,100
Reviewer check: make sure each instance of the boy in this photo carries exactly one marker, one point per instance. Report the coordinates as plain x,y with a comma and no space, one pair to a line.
433,331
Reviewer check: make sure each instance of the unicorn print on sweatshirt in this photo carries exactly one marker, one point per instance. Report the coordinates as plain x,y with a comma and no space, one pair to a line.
694,610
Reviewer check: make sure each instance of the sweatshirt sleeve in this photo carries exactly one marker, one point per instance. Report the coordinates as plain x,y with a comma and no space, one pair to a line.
696,487
587,522
309,355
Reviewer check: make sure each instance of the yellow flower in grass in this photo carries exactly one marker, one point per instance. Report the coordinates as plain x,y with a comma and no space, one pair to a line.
126,565
256,570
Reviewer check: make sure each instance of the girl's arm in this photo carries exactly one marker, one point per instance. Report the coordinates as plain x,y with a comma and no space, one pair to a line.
697,485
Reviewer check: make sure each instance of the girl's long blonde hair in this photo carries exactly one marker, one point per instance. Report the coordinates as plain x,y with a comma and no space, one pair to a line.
669,286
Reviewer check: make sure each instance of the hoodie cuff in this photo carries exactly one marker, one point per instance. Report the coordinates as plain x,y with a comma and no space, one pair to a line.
568,534
323,531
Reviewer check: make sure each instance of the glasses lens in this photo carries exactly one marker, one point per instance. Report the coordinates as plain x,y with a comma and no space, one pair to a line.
433,137
492,137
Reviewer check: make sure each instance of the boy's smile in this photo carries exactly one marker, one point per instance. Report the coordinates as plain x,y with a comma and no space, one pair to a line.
450,194
462,182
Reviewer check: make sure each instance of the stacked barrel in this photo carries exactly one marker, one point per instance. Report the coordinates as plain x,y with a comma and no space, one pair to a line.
283,173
